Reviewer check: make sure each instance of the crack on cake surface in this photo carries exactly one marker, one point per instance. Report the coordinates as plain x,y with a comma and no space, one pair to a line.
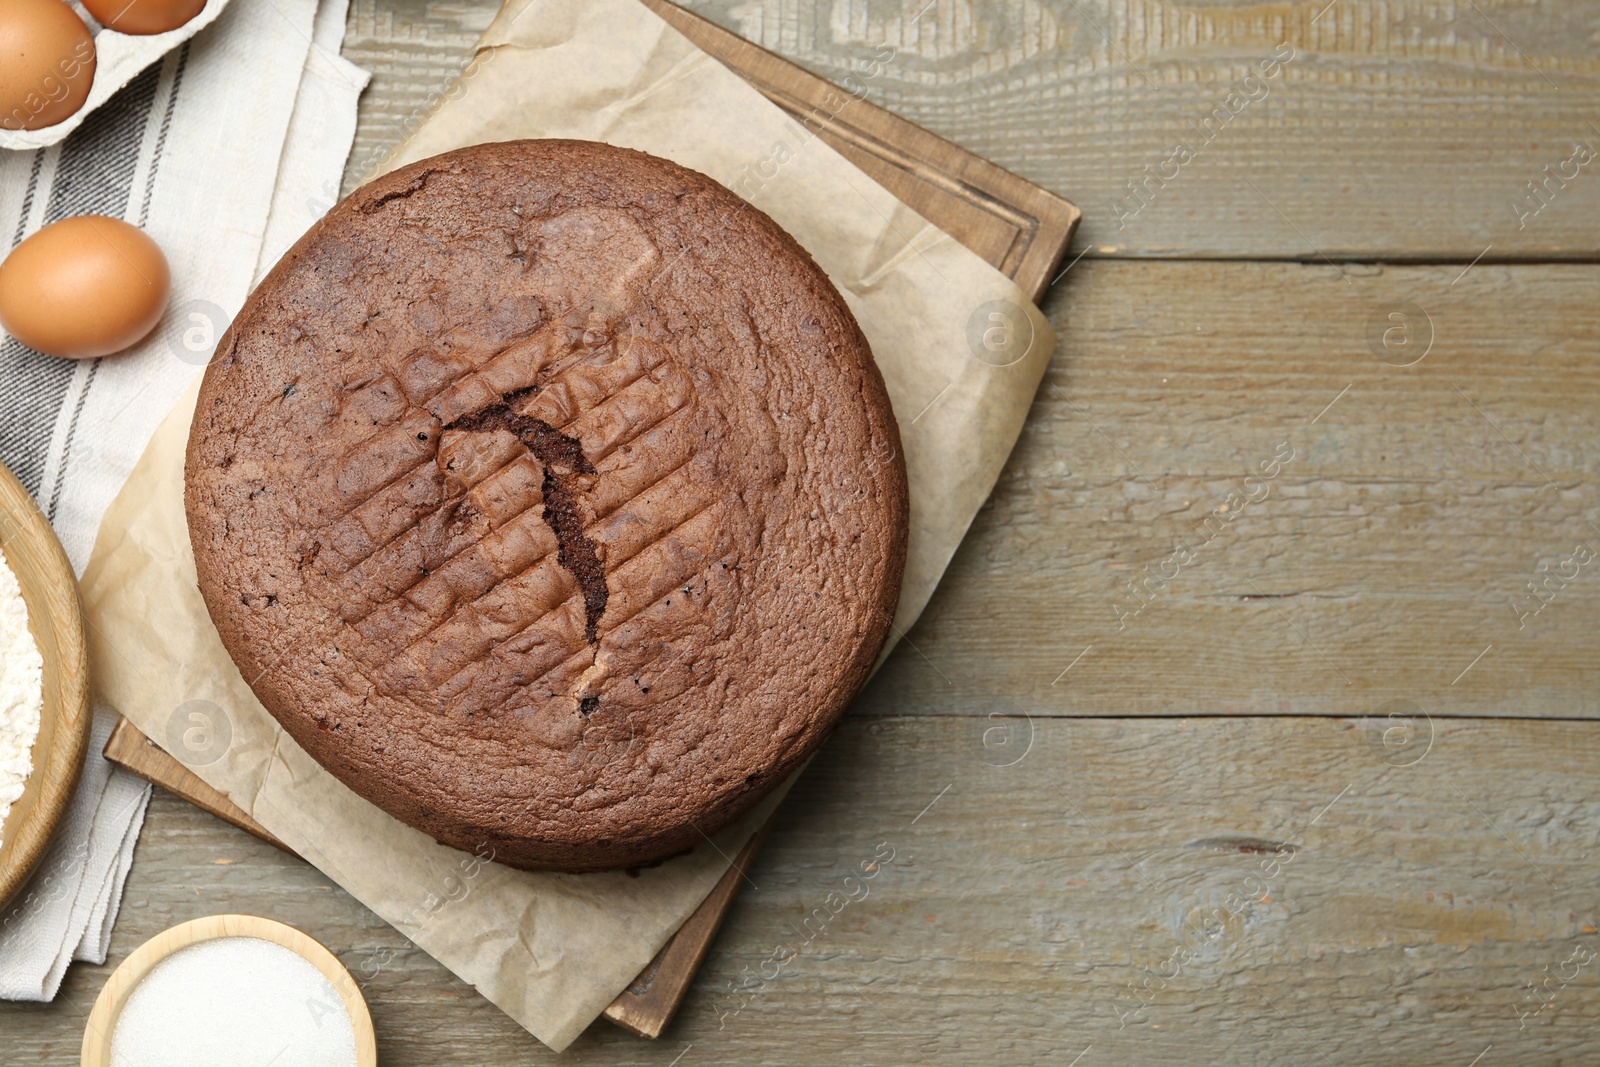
564,461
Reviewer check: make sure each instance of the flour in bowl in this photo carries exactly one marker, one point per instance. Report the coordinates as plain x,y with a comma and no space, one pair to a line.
21,691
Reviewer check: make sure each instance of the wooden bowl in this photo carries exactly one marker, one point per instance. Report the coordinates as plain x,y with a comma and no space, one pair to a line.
108,1007
56,619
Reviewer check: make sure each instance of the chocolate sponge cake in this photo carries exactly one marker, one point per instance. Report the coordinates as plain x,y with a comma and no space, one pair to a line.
548,495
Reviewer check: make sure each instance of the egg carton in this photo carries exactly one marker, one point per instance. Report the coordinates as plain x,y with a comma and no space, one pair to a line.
119,57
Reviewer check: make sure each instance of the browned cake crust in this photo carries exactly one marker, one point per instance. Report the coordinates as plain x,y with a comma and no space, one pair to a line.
548,495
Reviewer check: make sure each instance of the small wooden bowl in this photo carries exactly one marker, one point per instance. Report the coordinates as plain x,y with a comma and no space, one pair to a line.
108,1007
55,618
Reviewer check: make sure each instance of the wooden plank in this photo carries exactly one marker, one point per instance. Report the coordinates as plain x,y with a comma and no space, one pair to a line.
648,1005
1019,227
1016,910
415,50
134,752
1386,557
1402,129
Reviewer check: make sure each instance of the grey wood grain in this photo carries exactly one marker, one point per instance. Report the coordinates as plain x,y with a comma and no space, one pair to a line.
1400,130
415,50
1395,544
1407,129
1422,885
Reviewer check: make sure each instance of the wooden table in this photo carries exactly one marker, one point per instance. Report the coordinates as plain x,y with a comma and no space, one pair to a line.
1318,788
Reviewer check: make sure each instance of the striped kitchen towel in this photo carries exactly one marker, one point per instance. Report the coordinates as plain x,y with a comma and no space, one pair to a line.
224,152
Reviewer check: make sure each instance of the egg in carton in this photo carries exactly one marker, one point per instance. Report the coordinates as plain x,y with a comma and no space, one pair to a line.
59,61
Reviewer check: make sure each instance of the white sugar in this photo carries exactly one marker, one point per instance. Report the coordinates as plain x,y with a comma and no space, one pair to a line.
239,1001
21,691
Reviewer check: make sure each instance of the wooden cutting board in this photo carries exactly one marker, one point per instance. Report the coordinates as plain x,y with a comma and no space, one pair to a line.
1021,228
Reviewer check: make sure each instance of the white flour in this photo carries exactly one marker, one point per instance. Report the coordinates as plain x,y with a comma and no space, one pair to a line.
21,691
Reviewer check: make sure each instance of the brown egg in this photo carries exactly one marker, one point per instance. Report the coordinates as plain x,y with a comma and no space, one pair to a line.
84,287
143,16
46,63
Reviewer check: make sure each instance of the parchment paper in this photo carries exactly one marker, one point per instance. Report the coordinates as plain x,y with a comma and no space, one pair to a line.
962,351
